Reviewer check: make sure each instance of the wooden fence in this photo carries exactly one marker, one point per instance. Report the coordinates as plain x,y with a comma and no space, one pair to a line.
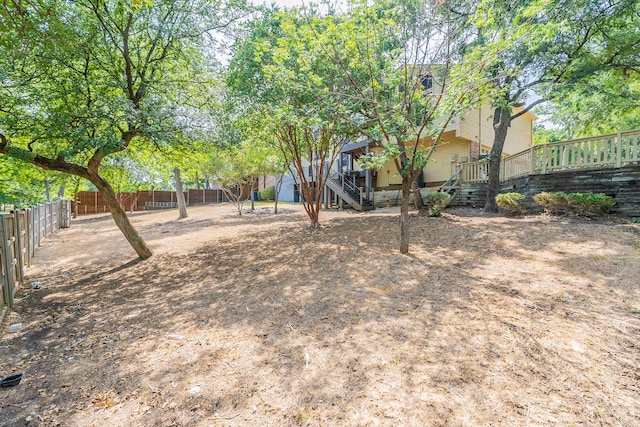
605,151
90,202
21,232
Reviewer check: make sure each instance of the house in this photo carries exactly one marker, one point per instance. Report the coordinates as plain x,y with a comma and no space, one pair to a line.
466,139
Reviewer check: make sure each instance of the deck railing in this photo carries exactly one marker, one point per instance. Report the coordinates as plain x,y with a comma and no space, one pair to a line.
613,150
475,172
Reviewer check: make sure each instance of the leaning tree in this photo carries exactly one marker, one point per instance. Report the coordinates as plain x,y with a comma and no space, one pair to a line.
85,79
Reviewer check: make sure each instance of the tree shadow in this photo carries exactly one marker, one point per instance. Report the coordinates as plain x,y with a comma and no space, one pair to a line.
331,324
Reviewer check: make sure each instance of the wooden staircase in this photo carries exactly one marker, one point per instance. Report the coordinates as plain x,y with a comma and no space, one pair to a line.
349,193
451,186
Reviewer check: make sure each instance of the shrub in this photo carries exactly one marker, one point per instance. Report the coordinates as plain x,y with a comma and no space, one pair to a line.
435,202
581,204
590,204
267,194
511,203
553,203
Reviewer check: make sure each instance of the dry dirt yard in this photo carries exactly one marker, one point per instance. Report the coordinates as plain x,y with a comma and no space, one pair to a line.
259,321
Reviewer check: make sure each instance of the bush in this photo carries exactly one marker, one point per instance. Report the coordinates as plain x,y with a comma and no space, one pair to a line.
590,204
511,203
267,194
581,204
553,203
435,202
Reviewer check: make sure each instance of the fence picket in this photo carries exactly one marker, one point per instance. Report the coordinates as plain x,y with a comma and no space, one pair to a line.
20,233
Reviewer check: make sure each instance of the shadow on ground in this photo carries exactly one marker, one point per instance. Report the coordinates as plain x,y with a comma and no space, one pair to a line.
485,322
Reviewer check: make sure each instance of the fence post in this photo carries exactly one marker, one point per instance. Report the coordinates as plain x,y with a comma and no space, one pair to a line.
47,208
32,229
39,231
27,235
619,149
19,255
544,158
7,260
65,213
56,206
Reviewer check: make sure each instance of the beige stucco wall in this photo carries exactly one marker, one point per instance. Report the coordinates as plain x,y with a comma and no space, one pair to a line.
438,169
477,125
385,179
474,126
440,166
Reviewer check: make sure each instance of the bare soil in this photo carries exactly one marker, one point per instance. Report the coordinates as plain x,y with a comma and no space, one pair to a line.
260,321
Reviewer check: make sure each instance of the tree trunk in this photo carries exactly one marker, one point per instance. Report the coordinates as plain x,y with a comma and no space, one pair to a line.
404,215
276,193
501,122
120,217
134,202
417,195
309,203
61,189
253,201
182,204
235,197
75,197
47,190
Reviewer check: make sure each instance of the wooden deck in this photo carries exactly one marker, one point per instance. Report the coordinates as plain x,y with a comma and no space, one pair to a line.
604,151
607,164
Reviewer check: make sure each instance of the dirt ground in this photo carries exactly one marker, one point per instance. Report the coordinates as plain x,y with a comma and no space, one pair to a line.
261,321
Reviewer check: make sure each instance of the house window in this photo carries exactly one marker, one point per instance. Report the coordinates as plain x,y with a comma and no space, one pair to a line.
427,82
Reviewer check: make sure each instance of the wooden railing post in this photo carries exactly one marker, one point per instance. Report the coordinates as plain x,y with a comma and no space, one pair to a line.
532,160
619,149
544,158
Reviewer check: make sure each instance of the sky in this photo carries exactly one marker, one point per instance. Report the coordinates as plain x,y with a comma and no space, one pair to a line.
287,3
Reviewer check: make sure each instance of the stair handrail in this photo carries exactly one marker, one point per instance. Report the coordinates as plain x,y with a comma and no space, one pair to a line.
350,185
448,183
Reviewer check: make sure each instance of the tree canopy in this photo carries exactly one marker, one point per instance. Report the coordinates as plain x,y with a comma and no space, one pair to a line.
85,79
98,88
